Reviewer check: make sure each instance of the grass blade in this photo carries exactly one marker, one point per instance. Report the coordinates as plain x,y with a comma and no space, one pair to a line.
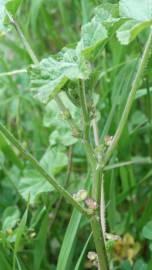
69,240
19,234
40,243
78,265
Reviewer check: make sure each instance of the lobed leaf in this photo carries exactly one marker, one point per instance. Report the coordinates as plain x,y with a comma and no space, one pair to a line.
139,15
93,34
61,134
50,75
129,31
54,160
33,184
135,9
107,13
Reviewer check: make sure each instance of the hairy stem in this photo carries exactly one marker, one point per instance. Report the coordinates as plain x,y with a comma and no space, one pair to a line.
23,39
99,243
42,171
69,169
98,184
131,97
13,72
95,220
86,126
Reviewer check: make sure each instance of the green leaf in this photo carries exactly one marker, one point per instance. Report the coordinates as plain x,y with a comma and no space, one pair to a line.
135,9
54,161
50,75
147,230
93,34
10,6
46,79
61,134
107,13
4,262
9,153
2,159
140,265
19,233
52,115
78,265
129,30
140,13
68,242
40,242
33,184
10,218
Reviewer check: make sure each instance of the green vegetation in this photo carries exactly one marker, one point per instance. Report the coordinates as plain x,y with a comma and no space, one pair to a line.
75,135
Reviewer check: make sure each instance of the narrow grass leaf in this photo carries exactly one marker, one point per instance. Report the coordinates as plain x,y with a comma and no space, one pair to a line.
19,233
68,242
78,265
40,243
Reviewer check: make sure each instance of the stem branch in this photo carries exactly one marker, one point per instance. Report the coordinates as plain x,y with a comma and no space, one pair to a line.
86,126
130,100
99,243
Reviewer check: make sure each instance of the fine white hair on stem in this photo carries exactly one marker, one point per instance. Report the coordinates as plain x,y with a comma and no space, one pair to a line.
102,201
102,208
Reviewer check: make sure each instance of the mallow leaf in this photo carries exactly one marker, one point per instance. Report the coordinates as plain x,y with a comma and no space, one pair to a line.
32,184
93,34
107,13
50,75
129,31
54,160
52,114
135,9
139,17
62,136
61,133
10,218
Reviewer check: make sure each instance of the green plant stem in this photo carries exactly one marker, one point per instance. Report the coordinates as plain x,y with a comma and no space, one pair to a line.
95,220
86,126
99,243
42,171
130,100
97,173
98,183
69,169
23,39
14,72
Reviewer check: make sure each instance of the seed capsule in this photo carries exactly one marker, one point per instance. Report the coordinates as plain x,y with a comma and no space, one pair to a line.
91,204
